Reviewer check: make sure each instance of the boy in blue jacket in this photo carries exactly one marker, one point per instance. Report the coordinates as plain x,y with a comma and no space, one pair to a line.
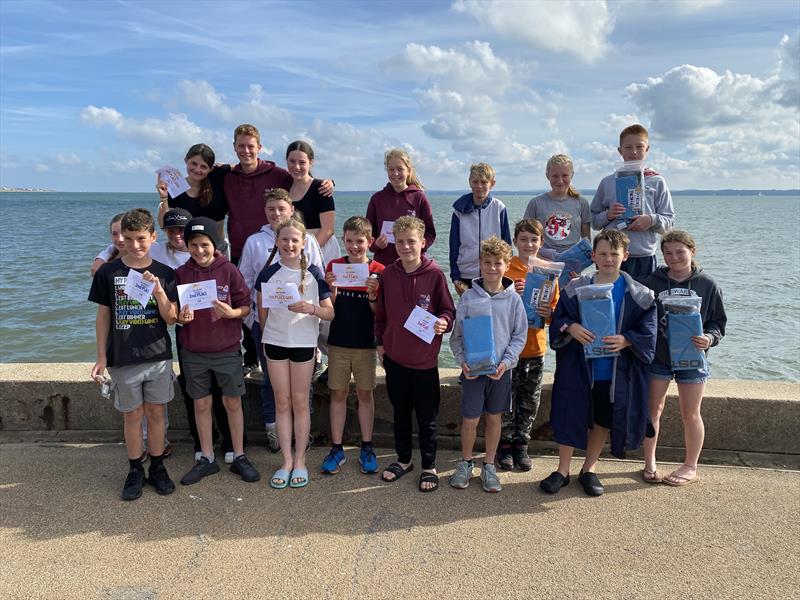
591,398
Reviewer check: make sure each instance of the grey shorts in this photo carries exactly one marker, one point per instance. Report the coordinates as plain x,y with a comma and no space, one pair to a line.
150,382
198,367
484,395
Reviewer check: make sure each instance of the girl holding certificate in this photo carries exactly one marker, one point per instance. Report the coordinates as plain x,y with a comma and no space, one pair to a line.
292,298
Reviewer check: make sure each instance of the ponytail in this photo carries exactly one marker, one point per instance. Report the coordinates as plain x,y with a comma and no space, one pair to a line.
303,267
572,192
206,193
271,256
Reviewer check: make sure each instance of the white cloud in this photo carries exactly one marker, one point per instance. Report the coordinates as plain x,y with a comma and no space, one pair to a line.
786,83
68,159
579,28
42,168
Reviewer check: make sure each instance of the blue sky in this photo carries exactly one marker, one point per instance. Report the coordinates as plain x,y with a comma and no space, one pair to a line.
97,95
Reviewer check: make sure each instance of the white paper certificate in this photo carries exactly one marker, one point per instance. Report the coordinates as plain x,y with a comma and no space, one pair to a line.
137,288
278,293
198,295
351,275
420,322
176,183
386,229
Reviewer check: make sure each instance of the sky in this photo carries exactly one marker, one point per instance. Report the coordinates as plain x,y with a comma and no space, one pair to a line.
95,96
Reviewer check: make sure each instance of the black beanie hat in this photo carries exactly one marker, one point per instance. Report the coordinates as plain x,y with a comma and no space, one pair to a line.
202,226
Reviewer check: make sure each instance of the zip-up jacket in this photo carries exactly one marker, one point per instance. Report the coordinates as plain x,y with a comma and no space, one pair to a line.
469,226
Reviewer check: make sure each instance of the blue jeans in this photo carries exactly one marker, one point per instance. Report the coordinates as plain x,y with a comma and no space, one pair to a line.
662,371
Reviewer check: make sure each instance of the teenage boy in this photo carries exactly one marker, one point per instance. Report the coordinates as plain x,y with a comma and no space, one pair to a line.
411,363
476,217
258,251
657,215
134,345
488,395
210,346
351,346
526,378
592,397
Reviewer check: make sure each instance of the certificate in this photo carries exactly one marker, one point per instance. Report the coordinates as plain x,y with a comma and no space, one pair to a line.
137,288
176,183
420,322
198,295
275,294
386,229
351,274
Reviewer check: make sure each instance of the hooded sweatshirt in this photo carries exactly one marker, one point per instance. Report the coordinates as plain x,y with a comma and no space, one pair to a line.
509,322
400,292
469,226
712,312
388,205
207,332
245,194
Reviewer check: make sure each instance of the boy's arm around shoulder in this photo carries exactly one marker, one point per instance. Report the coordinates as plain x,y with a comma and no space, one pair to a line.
519,332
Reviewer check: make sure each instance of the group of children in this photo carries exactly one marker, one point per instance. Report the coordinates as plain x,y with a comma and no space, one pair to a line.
395,308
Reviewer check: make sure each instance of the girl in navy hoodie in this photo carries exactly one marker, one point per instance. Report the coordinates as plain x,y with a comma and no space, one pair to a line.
403,196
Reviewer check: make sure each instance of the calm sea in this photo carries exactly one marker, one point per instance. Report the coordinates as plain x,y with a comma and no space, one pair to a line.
748,244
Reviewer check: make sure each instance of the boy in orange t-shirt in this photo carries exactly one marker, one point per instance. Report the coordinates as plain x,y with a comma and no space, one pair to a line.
526,377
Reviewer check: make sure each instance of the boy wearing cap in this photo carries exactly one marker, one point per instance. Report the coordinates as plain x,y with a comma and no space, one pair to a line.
209,342
173,253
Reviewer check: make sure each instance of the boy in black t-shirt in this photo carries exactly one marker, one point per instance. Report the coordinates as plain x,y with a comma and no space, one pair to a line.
351,346
133,343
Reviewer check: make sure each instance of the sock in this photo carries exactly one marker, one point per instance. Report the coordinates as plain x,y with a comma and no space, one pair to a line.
136,463
210,458
237,455
366,444
337,447
270,426
156,461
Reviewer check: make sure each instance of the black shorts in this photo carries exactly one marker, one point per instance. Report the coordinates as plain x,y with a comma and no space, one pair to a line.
295,355
602,409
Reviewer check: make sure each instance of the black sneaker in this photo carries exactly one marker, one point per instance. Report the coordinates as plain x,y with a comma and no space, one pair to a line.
133,484
201,468
554,482
244,468
591,484
159,479
521,459
504,460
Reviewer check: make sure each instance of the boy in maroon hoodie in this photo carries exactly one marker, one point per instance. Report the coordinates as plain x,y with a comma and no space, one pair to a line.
411,363
210,344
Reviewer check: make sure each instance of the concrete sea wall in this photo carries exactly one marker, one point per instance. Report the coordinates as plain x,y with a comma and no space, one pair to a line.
744,416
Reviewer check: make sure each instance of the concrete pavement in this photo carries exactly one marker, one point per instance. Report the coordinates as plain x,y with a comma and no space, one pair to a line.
66,534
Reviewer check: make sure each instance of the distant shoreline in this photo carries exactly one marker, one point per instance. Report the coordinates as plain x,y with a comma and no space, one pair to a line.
587,193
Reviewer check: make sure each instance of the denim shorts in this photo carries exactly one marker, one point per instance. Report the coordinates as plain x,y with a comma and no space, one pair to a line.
662,371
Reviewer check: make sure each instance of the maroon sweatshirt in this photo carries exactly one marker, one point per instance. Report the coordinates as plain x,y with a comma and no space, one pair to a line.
388,205
245,195
400,292
208,332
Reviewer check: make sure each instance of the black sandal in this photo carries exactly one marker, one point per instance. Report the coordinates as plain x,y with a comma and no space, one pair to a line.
428,477
397,470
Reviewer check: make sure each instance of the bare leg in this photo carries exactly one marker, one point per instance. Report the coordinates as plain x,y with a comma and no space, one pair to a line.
594,446
469,431
690,396
279,377
133,432
155,422
202,416
233,406
492,435
366,413
564,459
300,381
658,395
338,414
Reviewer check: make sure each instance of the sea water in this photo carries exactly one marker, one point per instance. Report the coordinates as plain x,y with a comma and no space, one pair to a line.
749,244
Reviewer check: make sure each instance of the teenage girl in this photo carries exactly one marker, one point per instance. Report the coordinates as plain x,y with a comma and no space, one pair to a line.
290,339
402,196
116,249
681,276
562,211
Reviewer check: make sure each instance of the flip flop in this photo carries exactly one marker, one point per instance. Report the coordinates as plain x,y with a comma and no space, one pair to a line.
681,480
428,477
397,470
651,476
302,475
281,475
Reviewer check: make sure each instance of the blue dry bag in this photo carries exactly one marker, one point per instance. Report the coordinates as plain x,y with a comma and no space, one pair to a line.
479,352
540,285
683,323
598,316
575,259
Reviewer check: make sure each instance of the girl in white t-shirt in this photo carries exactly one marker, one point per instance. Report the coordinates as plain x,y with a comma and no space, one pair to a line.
290,338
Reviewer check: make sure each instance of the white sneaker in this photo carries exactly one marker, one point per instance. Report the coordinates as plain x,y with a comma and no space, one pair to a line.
229,458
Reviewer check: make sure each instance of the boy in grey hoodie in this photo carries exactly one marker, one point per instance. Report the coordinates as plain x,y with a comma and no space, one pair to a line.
488,395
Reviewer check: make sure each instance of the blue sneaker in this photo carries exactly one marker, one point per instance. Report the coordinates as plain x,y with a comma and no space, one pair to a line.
333,461
368,460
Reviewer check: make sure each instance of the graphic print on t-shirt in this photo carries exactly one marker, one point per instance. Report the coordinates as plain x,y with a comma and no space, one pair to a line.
128,312
558,226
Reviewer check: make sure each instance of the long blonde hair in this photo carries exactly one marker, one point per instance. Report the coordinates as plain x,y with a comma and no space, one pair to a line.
292,222
558,160
411,178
